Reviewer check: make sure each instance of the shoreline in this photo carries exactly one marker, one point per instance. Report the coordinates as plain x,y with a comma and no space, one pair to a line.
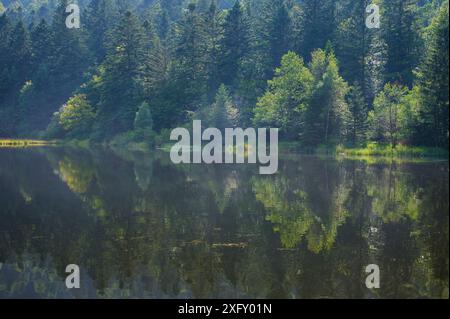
26,143
372,151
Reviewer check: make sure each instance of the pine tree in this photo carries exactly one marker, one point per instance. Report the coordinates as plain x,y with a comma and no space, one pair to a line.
21,46
235,43
275,33
42,48
433,127
318,23
120,90
68,58
191,58
155,68
100,15
222,114
357,121
214,34
400,35
355,46
6,57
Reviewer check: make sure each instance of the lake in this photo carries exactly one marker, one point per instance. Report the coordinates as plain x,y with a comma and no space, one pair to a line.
139,226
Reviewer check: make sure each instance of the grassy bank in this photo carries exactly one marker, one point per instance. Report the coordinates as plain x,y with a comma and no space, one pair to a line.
384,150
13,143
372,150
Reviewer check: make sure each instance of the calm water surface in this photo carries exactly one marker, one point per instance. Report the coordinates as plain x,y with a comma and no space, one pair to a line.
139,226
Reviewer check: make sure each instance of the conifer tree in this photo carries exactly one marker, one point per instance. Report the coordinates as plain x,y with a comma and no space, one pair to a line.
433,84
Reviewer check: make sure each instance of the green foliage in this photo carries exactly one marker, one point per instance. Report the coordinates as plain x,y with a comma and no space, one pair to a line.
318,24
386,150
357,122
77,116
222,113
143,119
234,44
119,88
327,109
433,127
174,56
387,120
143,122
401,38
284,103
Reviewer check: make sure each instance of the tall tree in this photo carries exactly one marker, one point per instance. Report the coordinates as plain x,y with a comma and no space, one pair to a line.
327,109
214,35
357,122
433,84
275,30
121,92
42,48
6,80
191,58
386,119
68,58
235,43
318,24
285,101
400,35
355,45
100,15
6,56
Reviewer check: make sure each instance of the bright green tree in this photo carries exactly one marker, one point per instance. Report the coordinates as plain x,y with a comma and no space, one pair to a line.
77,116
387,118
327,109
284,103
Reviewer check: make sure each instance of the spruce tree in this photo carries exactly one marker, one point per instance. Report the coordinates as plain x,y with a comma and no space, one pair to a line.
120,89
355,45
235,43
275,30
433,85
318,24
401,38
357,121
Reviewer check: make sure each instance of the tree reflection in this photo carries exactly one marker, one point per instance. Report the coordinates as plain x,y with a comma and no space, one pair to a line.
139,226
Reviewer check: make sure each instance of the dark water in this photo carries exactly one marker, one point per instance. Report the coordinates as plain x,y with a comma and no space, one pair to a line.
139,226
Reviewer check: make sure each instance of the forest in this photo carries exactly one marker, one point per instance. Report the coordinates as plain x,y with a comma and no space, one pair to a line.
312,68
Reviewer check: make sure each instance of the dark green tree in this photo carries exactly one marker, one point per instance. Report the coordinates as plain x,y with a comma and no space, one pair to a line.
357,122
235,43
433,85
120,89
318,25
275,33
401,38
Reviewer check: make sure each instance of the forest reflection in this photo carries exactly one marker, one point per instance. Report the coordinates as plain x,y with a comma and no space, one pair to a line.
139,226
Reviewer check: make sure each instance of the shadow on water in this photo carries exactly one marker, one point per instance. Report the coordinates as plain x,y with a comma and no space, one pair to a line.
139,226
